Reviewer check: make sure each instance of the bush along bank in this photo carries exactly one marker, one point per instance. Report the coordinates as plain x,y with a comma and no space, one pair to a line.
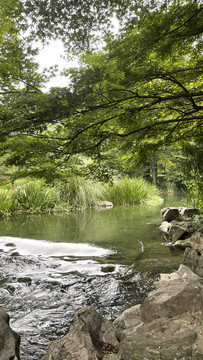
75,193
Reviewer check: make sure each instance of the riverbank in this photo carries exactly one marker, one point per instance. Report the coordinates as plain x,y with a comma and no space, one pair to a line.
73,194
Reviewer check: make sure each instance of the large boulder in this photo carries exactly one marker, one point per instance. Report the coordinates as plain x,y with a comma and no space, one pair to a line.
168,324
195,242
9,339
170,213
177,232
175,294
188,212
194,260
173,232
174,213
91,337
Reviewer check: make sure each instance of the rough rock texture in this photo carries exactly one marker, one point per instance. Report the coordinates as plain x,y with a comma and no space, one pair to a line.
177,232
193,256
188,212
196,242
91,337
170,213
174,213
185,222
9,339
173,232
168,324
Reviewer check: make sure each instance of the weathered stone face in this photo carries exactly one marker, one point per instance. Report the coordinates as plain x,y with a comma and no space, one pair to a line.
168,325
194,260
174,213
170,213
91,337
9,339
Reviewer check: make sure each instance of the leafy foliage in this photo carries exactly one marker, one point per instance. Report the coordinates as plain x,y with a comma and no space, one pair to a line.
141,93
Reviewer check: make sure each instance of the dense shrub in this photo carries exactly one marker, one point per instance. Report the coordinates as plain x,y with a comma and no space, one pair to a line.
132,192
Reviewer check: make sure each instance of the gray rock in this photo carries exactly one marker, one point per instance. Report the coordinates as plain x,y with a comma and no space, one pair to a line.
129,320
170,213
188,212
177,232
182,244
168,325
174,213
194,260
91,337
105,204
195,242
165,226
172,298
159,339
9,339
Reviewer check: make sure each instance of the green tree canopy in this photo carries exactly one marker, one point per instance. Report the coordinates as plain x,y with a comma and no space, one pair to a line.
141,92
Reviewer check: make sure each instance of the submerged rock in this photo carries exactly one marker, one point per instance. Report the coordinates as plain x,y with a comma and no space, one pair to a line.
9,339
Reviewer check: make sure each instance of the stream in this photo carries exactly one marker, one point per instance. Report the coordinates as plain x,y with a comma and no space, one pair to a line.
52,265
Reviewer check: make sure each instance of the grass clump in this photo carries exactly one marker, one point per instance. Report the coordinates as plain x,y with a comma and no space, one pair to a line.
132,192
7,202
34,197
78,193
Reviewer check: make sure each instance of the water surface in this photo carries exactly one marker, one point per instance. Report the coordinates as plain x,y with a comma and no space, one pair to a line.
51,265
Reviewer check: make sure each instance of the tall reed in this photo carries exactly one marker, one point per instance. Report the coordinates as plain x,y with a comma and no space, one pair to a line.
131,192
78,193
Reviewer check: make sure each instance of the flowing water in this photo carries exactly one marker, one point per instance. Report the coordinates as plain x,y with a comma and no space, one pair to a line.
52,265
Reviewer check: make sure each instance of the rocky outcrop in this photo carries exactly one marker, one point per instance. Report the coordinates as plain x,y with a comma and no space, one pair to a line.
183,235
174,213
181,224
91,337
9,339
193,256
168,324
170,213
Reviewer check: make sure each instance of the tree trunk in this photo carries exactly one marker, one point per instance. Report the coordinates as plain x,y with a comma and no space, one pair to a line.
153,165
